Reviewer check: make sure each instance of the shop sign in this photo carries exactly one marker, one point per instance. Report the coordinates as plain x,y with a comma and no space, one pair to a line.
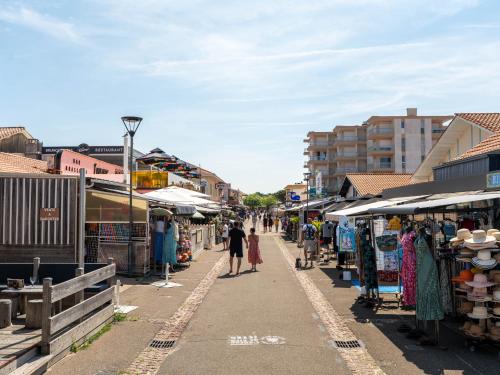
49,214
85,149
493,180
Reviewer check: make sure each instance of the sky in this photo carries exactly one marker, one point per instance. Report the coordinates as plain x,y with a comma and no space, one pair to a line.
234,86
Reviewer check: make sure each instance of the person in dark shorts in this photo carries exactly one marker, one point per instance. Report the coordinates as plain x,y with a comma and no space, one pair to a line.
236,238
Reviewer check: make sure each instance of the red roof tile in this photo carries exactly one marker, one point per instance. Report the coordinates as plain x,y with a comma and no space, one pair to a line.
490,144
488,121
374,183
12,163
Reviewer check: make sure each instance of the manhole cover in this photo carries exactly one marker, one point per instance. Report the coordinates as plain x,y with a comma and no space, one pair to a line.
352,344
162,344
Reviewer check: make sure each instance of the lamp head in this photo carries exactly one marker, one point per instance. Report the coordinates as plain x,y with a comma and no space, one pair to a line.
131,124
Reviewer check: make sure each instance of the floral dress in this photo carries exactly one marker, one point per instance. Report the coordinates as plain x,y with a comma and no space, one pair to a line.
409,269
253,250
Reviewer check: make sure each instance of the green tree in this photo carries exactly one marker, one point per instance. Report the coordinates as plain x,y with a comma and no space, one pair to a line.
253,200
280,195
269,201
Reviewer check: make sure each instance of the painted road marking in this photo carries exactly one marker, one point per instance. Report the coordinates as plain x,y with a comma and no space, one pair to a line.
358,360
254,340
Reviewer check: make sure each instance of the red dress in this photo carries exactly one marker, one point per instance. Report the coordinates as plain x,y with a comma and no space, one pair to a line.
253,250
409,269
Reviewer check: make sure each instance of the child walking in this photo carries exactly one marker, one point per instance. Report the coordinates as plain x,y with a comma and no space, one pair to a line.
253,250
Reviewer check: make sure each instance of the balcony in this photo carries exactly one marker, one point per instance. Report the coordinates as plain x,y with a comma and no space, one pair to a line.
344,170
348,139
318,144
346,155
379,132
318,159
380,167
380,149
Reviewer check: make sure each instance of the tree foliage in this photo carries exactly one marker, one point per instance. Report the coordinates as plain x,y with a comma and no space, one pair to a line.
280,195
269,201
253,200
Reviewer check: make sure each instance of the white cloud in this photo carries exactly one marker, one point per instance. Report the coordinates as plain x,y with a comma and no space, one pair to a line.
42,23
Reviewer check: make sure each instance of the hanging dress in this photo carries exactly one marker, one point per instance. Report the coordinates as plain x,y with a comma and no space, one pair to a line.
429,304
409,269
170,246
253,250
369,263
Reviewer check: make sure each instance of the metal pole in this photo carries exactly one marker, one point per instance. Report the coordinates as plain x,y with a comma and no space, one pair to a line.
307,199
130,215
81,223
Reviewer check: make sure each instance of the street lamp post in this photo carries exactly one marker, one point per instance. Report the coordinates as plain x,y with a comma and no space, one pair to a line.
131,125
307,175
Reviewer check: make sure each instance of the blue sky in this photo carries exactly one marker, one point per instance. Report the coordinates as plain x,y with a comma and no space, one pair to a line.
236,85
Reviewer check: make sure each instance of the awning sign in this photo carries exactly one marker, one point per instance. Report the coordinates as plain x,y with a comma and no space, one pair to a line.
493,180
49,214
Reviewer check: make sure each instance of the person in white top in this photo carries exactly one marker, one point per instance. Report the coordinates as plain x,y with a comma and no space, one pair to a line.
225,235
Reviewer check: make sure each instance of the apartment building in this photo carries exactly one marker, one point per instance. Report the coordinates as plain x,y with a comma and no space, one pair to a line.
398,144
383,144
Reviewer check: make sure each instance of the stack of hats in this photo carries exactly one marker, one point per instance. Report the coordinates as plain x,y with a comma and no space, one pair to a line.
480,285
483,243
465,275
494,332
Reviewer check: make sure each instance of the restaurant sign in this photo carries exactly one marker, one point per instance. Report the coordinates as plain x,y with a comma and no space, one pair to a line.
49,214
493,180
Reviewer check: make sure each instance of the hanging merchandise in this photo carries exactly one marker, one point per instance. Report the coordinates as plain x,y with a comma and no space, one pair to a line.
369,261
444,280
347,234
170,245
409,269
428,294
159,240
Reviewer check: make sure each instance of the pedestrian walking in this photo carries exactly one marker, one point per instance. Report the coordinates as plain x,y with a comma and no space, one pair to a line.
254,220
254,256
276,223
225,235
236,238
309,235
265,223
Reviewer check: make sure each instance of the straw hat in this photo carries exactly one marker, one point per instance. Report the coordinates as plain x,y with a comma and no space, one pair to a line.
465,252
479,312
497,236
491,231
494,333
480,281
484,260
462,235
479,240
496,311
465,307
465,275
475,330
496,295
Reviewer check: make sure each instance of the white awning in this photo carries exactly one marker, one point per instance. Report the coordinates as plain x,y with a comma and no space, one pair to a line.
311,205
365,208
425,205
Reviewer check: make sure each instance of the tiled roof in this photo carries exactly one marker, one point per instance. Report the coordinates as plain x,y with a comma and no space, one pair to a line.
374,183
6,132
490,144
488,121
12,163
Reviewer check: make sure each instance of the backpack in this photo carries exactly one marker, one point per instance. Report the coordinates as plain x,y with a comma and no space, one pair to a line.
310,230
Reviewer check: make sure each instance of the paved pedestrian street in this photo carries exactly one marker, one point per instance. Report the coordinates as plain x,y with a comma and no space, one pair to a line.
274,321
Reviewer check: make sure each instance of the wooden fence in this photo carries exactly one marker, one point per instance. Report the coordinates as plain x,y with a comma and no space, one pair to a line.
59,332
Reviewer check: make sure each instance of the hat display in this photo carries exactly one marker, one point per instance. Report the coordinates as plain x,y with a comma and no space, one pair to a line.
491,232
495,278
475,330
496,311
467,252
466,326
484,260
485,298
465,275
479,240
480,281
462,234
465,307
479,312
497,257
496,295
496,235
495,332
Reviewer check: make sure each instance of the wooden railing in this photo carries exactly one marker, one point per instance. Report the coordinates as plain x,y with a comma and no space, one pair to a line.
59,332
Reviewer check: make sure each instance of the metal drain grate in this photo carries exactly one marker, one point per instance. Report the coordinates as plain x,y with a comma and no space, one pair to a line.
162,344
347,344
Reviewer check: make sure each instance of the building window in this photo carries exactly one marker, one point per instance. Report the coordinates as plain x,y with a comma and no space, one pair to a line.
403,144
402,124
403,162
422,124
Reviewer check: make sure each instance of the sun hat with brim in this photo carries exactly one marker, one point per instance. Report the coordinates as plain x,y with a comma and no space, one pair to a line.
473,298
465,275
466,326
475,330
497,236
466,252
462,235
466,307
484,260
479,312
490,232
485,265
496,295
480,245
496,311
480,281
479,237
